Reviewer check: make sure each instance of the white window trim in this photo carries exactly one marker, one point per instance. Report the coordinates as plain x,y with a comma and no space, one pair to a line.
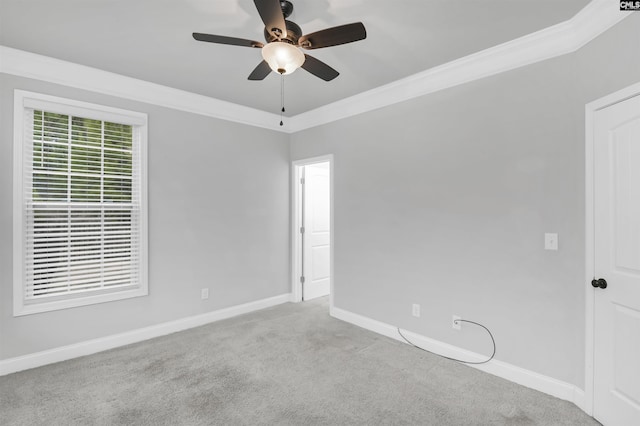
23,100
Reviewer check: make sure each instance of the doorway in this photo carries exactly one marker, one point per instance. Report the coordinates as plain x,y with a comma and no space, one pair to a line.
312,229
613,258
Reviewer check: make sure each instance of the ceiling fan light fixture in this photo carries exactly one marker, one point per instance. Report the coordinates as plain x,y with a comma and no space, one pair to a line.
283,58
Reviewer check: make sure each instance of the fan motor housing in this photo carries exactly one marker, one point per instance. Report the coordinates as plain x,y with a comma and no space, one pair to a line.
294,32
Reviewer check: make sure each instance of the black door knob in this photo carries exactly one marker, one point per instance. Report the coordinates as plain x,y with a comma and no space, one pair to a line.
602,283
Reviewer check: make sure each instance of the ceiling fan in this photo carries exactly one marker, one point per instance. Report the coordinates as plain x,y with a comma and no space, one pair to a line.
281,53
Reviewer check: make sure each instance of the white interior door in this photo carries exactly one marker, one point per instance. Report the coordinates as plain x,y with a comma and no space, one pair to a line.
316,237
617,261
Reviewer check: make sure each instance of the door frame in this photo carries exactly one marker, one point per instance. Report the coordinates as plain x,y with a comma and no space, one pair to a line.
296,221
590,110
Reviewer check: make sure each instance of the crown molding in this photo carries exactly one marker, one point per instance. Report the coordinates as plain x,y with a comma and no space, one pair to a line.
566,37
44,68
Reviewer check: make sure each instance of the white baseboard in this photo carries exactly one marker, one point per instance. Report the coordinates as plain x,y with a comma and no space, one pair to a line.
89,347
580,399
521,376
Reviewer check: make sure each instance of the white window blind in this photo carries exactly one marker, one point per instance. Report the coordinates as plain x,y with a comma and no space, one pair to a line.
82,185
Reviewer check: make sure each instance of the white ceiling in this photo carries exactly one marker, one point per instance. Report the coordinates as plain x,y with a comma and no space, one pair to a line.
151,40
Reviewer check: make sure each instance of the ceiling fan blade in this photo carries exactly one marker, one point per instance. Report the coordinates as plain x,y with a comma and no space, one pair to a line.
260,72
319,68
226,40
334,36
272,16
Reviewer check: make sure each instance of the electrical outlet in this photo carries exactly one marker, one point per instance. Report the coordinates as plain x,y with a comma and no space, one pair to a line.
551,241
415,310
457,325
204,293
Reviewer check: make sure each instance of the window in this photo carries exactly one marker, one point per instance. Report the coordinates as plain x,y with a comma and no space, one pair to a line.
79,203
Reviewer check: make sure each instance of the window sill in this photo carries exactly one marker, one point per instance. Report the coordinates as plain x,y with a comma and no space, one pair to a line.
20,308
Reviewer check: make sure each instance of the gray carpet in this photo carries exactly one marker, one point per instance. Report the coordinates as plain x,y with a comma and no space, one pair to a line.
288,365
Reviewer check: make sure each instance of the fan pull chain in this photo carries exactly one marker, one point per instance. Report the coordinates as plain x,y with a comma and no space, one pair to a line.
281,97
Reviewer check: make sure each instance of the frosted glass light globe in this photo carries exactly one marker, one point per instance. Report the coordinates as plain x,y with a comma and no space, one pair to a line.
283,58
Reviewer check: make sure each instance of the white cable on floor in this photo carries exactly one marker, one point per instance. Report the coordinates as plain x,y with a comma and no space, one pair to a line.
455,359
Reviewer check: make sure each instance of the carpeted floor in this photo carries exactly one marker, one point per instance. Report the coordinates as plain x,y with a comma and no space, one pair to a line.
288,365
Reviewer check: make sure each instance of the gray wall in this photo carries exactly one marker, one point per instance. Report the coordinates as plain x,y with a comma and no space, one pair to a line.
218,218
443,201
